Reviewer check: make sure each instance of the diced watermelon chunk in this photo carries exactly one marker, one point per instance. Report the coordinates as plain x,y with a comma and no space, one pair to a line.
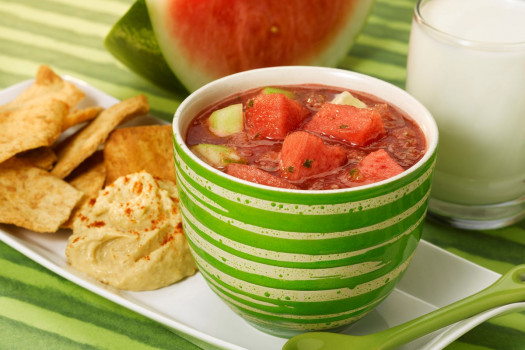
273,116
304,154
253,174
378,166
347,123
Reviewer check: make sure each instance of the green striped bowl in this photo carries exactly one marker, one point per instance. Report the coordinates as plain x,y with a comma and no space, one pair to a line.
290,261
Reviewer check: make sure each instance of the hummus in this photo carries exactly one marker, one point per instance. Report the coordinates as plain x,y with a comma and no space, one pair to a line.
130,236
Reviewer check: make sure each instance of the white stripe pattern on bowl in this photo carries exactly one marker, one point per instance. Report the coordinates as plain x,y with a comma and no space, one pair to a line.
283,256
299,295
302,209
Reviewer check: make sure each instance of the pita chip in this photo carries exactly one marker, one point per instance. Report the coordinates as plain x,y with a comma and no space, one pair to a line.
89,178
33,198
47,86
78,116
85,142
41,157
33,126
131,150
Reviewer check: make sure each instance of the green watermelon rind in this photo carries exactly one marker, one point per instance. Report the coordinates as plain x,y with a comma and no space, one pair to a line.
132,41
193,78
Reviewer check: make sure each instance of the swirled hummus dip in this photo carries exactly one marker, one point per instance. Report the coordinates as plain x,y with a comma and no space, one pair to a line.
130,236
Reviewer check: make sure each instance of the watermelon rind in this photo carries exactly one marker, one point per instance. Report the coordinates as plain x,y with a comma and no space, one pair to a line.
132,41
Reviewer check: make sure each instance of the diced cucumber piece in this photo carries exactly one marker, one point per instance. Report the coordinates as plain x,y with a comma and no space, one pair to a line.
226,121
346,98
217,156
274,90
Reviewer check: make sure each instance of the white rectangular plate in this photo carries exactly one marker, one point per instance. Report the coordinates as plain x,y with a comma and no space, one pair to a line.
434,279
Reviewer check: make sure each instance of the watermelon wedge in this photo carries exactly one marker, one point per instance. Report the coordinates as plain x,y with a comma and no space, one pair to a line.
304,155
204,40
132,42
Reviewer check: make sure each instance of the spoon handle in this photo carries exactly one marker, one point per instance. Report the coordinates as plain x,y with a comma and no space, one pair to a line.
509,288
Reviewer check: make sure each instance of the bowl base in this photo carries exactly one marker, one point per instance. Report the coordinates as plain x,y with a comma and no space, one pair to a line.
288,333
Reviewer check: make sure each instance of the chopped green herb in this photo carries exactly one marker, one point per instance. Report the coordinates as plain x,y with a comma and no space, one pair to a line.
308,163
290,169
250,103
355,175
257,135
343,126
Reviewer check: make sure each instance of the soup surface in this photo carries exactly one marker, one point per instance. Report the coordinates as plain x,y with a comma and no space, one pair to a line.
309,137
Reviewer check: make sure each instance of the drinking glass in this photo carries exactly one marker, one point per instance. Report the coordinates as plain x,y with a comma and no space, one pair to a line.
466,64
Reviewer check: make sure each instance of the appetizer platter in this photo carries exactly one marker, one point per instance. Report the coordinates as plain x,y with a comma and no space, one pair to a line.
194,312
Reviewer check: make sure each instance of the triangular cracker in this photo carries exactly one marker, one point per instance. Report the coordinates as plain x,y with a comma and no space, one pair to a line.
85,142
78,116
47,85
131,150
33,198
34,126
41,157
89,178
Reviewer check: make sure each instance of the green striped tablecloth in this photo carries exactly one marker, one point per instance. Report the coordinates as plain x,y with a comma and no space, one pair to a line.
39,310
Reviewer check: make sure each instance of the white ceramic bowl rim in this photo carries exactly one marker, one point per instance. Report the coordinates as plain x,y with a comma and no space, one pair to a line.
297,75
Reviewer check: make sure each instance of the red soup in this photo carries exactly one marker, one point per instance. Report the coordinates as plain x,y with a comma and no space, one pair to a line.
308,137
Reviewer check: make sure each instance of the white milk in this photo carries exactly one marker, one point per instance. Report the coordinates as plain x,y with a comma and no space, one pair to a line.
476,94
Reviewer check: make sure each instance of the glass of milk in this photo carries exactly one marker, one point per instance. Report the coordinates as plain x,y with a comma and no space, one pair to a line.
466,64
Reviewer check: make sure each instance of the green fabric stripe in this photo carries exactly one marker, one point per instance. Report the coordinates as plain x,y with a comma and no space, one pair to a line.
121,86
458,345
511,233
388,72
68,9
390,25
495,337
47,30
108,70
49,291
17,38
73,328
515,320
401,4
380,50
16,257
8,79
379,55
385,44
394,10
29,338
382,31
66,307
114,7
38,277
67,23
476,243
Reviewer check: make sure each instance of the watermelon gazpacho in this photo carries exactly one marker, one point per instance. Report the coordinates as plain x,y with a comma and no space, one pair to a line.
306,137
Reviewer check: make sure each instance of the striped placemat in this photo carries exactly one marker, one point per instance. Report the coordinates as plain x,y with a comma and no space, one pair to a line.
40,310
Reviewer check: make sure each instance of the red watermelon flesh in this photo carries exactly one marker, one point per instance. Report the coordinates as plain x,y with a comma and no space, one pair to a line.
253,174
228,36
273,116
378,166
347,123
304,155
204,40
